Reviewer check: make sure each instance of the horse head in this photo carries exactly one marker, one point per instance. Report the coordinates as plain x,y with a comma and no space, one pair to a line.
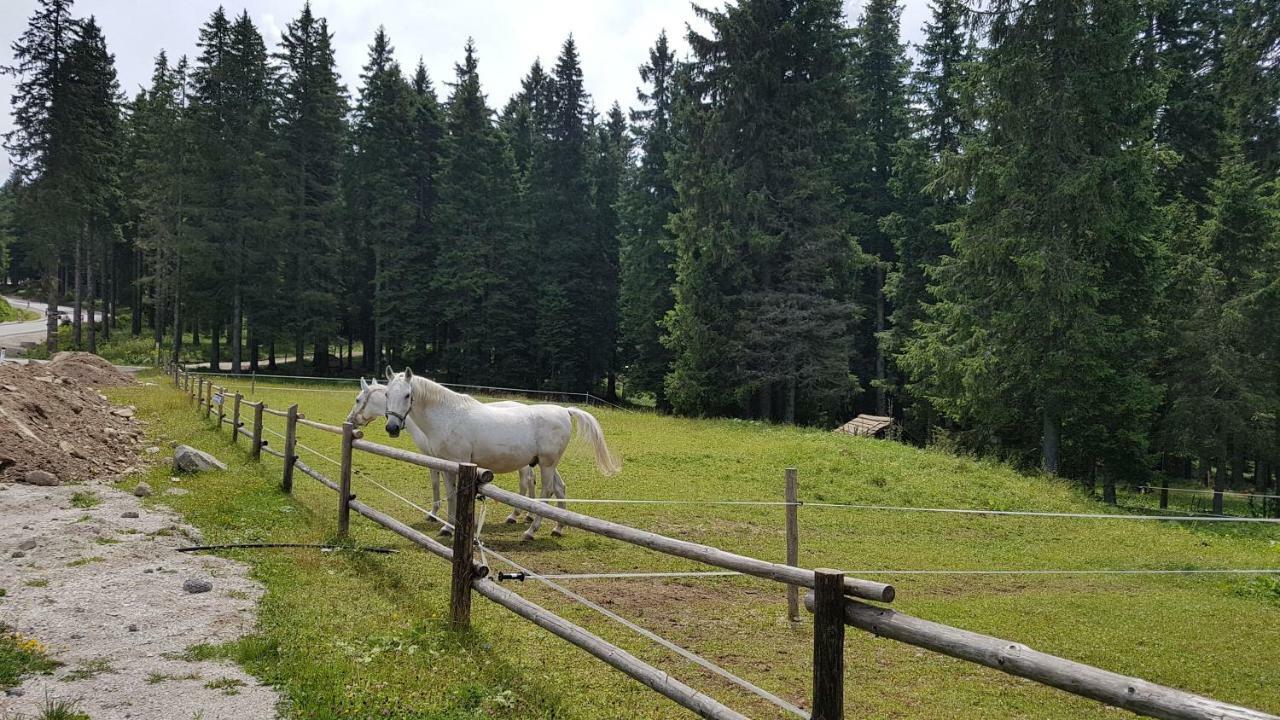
399,400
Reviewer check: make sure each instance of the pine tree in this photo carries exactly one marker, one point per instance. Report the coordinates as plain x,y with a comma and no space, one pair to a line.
422,248
232,122
312,136
611,150
1250,92
879,78
923,201
481,279
1041,310
646,247
765,253
380,189
159,178
96,145
40,143
561,226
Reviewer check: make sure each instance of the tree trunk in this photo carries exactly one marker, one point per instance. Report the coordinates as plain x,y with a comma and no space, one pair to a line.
1204,469
78,305
1108,488
215,352
51,313
237,325
177,317
1220,483
271,354
1051,443
135,322
320,358
299,351
88,281
789,402
1237,465
350,347
882,403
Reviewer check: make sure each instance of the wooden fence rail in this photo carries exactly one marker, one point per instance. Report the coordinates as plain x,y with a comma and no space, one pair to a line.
831,600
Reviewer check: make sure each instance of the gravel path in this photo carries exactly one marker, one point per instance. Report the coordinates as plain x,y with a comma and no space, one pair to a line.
105,594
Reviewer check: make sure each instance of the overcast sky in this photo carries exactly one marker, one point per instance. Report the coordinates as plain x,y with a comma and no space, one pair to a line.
613,36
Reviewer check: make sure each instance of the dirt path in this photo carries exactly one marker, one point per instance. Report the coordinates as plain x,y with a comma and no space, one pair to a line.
105,593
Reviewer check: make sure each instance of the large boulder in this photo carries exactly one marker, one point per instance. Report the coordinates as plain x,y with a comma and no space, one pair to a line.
41,477
189,459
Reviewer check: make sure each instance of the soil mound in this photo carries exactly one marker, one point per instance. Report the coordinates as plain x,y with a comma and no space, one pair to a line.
89,369
57,423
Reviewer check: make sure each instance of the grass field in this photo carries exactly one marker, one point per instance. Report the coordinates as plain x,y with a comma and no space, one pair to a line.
352,635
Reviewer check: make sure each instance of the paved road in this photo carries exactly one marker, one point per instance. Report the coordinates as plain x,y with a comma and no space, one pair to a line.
13,334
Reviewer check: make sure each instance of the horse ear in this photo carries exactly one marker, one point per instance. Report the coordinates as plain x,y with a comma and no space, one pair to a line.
364,384
408,373
391,374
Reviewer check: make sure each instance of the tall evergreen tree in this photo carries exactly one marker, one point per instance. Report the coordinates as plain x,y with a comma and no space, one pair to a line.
1041,310
312,135
611,151
560,203
423,246
923,201
160,178
480,280
96,145
880,72
765,253
381,187
232,136
40,143
646,246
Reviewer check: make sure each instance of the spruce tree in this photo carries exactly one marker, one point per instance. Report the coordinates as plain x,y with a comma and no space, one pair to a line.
312,136
924,202
96,146
879,79
611,150
480,284
561,226
646,247
422,247
765,254
1042,308
39,144
381,187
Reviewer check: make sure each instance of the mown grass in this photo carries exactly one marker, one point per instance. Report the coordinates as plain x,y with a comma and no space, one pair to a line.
348,635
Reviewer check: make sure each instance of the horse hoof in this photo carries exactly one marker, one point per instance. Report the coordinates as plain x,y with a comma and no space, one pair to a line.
445,532
510,521
557,533
526,537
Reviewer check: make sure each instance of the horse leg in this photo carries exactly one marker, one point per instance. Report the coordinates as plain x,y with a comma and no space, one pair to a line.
526,477
558,491
449,483
528,488
548,487
435,493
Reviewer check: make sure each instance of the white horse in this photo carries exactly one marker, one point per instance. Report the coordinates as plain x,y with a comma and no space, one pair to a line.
463,429
371,403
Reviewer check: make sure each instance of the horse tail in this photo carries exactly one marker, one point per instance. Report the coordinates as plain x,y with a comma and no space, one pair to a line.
590,430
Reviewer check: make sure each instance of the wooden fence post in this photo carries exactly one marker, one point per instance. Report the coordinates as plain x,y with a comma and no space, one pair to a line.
344,481
235,419
463,504
199,393
793,544
828,645
290,439
256,452
208,399
222,406
1164,494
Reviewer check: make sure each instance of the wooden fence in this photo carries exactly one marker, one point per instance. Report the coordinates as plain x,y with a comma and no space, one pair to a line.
834,599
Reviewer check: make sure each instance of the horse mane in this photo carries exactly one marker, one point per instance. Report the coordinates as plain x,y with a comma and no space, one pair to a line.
433,393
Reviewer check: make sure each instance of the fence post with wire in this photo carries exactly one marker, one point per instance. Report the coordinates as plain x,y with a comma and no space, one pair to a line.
344,481
793,542
836,600
290,452
235,418
463,504
256,451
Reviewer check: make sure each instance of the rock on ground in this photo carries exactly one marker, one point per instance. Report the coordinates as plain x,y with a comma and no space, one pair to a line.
189,459
120,607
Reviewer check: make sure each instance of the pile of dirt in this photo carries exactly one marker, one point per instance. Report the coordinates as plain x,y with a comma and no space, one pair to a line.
89,369
57,423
